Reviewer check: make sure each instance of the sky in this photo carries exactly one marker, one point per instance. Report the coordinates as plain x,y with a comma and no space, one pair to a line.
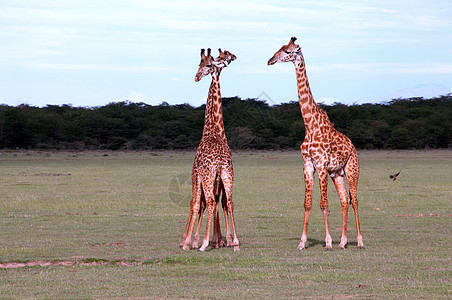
91,53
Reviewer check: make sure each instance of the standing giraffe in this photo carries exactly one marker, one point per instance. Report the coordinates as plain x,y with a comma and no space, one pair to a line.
324,149
212,169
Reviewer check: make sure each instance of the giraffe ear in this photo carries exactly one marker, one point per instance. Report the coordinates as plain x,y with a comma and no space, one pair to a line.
298,50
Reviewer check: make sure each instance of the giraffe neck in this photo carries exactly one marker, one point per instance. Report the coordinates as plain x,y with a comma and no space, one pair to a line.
213,120
312,114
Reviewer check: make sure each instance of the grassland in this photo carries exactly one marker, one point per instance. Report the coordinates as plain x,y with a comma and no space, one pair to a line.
108,225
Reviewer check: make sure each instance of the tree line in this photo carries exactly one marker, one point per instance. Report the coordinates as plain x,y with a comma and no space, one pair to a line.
414,123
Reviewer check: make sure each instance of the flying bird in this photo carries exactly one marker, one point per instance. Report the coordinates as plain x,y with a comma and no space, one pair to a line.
394,177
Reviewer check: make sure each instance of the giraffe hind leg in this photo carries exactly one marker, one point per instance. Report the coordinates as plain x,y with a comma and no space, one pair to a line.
217,240
228,179
208,188
352,174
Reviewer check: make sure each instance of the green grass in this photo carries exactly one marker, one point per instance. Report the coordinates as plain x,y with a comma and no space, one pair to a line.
99,210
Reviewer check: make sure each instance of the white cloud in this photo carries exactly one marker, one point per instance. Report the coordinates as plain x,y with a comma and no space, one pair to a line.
328,100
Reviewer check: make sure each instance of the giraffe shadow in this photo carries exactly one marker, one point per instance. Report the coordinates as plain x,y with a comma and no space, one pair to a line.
314,242
310,242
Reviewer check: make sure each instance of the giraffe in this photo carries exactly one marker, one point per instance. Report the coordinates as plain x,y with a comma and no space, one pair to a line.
212,168
222,61
324,150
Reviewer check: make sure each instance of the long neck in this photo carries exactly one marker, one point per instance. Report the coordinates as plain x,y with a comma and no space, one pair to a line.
310,111
213,119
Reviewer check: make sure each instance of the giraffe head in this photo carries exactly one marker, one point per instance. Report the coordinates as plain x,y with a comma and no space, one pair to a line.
289,52
206,65
224,59
209,65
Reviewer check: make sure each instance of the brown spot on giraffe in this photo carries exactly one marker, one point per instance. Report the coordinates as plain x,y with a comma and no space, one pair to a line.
324,150
212,171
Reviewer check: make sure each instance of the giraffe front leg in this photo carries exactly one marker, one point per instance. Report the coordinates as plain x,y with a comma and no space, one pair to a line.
188,238
323,179
194,209
195,244
184,235
210,204
339,183
216,227
224,204
308,172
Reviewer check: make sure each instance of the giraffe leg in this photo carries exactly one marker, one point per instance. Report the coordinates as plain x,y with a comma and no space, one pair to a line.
210,207
196,201
208,188
339,182
323,179
308,172
228,179
216,225
192,202
184,236
217,240
195,244
224,204
352,173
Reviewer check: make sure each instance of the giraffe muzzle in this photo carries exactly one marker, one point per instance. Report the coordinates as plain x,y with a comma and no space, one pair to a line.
271,61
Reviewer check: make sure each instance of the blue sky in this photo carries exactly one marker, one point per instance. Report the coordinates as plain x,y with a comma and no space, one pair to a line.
90,53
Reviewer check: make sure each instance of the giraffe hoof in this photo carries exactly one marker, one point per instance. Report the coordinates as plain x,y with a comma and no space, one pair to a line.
328,248
301,246
236,248
186,248
342,246
361,247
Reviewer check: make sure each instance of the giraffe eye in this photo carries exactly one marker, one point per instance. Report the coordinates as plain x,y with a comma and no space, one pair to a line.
288,52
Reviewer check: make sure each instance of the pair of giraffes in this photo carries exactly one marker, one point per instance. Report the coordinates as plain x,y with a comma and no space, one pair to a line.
324,150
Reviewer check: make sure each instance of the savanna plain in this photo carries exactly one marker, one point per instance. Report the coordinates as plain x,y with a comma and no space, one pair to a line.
108,224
